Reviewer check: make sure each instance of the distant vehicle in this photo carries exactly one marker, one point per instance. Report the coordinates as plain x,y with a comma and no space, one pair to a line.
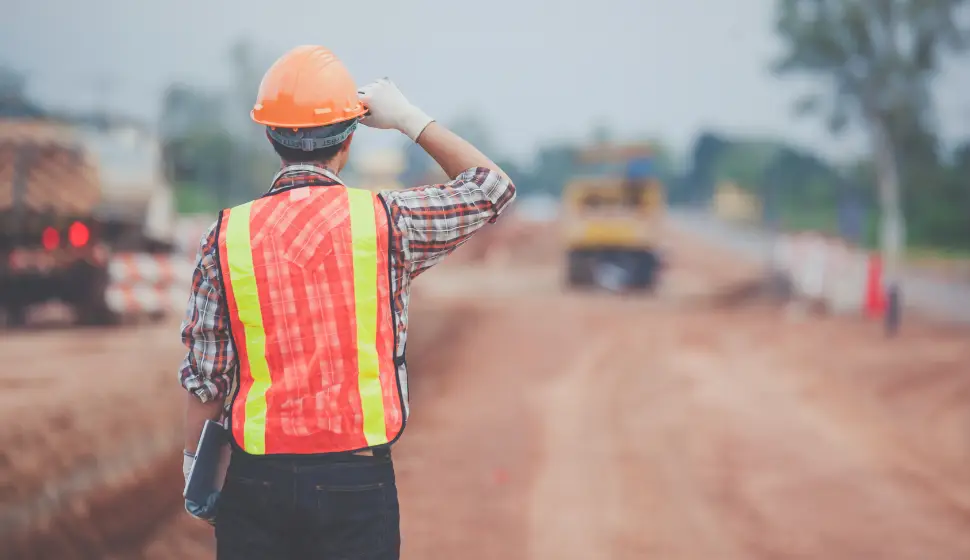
50,241
379,170
613,211
74,192
732,203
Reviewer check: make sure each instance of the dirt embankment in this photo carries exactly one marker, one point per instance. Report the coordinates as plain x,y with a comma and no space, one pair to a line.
82,443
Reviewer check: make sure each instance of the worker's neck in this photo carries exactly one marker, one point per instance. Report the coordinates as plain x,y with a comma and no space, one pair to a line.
330,166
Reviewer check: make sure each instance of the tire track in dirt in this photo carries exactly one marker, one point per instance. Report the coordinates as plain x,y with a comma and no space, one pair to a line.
467,459
648,395
775,475
573,503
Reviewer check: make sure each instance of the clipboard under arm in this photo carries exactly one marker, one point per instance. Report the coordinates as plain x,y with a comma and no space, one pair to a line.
208,471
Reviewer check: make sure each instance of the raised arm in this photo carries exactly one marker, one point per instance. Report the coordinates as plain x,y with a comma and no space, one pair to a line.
436,219
452,152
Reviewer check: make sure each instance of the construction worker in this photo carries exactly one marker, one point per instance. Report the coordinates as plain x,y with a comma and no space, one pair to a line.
297,322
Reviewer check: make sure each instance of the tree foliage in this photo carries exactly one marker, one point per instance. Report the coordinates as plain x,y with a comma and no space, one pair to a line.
698,182
13,84
879,58
13,95
210,144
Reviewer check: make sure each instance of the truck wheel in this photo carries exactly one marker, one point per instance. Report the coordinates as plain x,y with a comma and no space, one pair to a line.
647,271
95,315
16,316
90,304
578,271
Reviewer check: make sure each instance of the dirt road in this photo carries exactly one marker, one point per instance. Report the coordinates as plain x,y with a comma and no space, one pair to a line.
669,429
552,425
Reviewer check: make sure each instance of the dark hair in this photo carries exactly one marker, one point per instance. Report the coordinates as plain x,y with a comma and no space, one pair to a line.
294,155
332,131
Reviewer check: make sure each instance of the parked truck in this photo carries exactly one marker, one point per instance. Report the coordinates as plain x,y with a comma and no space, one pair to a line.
51,245
74,194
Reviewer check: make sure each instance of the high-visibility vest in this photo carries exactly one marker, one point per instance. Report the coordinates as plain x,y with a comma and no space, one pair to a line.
307,282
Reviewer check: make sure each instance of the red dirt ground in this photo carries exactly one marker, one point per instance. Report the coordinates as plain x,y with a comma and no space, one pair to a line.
556,425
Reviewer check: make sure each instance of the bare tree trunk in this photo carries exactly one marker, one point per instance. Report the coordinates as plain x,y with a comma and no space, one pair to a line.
892,239
893,227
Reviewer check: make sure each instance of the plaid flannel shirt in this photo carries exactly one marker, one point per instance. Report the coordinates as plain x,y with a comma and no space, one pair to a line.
427,223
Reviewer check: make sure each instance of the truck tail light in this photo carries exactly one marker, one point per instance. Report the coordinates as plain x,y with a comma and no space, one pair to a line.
50,238
78,234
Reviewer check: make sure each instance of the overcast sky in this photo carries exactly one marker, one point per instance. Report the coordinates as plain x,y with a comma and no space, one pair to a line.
536,71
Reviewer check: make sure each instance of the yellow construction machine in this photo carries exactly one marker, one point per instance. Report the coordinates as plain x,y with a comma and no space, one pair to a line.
613,212
379,171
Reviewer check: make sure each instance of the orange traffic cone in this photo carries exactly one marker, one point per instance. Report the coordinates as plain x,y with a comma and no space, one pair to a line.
875,293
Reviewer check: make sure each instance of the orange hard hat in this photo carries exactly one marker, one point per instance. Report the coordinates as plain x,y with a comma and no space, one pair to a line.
306,88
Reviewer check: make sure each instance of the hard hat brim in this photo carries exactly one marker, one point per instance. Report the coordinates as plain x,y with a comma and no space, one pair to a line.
361,111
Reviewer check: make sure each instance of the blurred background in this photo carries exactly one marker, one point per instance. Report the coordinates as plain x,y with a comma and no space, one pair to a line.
727,316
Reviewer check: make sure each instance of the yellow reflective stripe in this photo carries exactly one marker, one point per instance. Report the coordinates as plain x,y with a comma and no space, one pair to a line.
242,278
363,231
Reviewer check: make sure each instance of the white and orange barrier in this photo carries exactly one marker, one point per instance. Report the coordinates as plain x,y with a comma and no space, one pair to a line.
806,264
149,284
845,278
830,273
146,268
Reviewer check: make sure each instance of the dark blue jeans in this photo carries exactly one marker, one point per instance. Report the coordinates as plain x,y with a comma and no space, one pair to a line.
340,507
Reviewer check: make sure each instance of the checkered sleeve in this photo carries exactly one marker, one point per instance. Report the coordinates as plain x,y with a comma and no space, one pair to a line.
210,363
437,219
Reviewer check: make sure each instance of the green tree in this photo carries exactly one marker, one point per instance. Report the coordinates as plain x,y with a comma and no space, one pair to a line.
13,84
698,183
186,110
196,147
879,58
253,161
211,144
554,167
940,208
14,101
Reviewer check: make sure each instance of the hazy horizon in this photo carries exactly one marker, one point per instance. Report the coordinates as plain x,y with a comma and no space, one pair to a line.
645,69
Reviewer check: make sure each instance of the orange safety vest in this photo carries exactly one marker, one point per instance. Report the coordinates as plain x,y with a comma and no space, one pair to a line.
307,283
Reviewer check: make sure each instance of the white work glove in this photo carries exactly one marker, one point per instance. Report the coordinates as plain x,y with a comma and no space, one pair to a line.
389,109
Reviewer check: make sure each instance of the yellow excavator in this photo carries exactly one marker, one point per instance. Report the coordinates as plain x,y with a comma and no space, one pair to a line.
613,209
